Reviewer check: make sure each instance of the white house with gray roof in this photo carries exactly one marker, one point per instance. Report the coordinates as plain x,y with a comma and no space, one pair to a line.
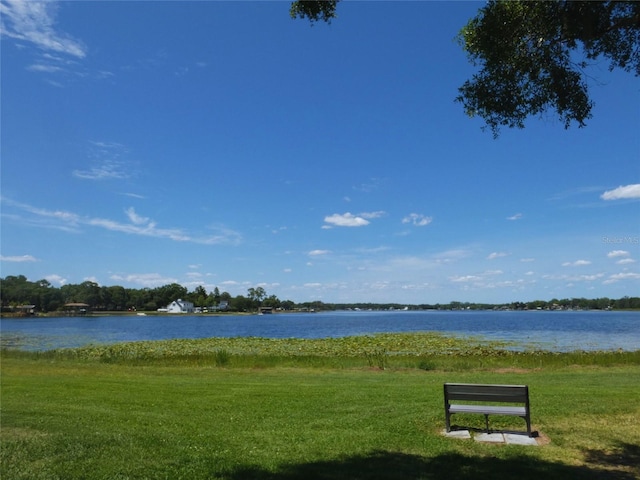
178,306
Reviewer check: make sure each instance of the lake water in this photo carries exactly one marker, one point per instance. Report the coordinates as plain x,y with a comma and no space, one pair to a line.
549,330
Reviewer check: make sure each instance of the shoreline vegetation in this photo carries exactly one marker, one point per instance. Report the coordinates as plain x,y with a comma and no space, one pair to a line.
60,314
403,351
365,407
21,297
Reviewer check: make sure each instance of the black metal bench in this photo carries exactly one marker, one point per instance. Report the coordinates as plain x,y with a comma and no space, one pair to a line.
486,394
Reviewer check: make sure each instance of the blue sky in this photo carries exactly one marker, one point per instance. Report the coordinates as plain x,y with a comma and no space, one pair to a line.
224,144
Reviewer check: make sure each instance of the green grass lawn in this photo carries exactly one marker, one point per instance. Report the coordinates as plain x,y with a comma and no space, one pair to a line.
65,417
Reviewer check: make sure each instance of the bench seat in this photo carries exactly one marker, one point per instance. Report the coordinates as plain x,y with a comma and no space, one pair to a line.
488,410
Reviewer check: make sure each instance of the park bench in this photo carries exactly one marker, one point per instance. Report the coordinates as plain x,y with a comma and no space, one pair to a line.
485,398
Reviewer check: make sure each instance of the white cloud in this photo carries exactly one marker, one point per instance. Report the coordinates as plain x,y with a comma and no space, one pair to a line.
475,278
373,184
622,276
625,261
135,218
139,225
618,253
107,162
18,258
106,171
34,22
149,280
527,259
315,253
133,195
493,272
465,278
449,256
627,191
494,255
370,215
148,229
517,216
345,220
39,67
577,263
41,217
574,278
56,279
417,219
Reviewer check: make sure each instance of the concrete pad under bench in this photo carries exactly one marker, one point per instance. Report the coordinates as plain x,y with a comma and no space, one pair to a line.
464,434
489,437
504,438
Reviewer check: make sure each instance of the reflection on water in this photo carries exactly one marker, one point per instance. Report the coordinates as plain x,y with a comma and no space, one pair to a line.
556,331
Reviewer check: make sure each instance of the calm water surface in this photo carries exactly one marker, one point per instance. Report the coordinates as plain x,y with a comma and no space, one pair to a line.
556,331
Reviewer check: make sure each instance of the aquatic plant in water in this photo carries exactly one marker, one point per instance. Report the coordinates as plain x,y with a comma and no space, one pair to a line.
376,348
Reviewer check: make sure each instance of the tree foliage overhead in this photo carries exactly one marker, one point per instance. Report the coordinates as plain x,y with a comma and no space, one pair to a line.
315,10
532,55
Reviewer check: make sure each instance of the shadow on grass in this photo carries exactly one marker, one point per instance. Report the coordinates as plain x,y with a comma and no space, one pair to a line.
399,466
623,455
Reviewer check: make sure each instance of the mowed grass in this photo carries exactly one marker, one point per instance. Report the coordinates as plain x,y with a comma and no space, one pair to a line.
251,416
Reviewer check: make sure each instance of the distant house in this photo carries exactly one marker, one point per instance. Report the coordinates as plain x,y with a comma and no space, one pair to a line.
76,308
179,306
222,306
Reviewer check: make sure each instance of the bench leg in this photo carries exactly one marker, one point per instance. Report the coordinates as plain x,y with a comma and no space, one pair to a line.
528,420
486,421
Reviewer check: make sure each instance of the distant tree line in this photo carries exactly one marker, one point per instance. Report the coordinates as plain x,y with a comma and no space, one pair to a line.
17,291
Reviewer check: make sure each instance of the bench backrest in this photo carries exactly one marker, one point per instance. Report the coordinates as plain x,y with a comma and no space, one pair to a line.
486,393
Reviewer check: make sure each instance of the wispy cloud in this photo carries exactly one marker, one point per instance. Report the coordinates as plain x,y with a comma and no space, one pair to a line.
345,220
35,23
55,278
475,278
106,171
371,215
618,277
57,54
316,253
577,263
625,261
149,280
40,67
517,216
575,192
107,162
137,225
618,253
135,218
622,192
417,219
494,255
40,217
18,258
133,195
370,186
